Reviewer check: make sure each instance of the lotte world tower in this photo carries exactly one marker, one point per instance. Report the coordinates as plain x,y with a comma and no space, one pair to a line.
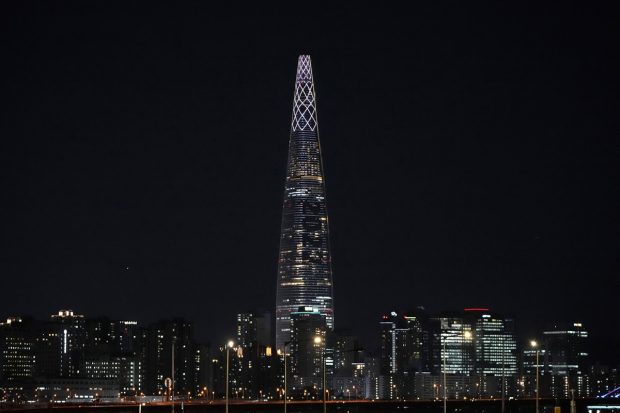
304,265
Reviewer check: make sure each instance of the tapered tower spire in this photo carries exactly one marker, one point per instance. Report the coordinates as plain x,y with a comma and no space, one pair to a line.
304,267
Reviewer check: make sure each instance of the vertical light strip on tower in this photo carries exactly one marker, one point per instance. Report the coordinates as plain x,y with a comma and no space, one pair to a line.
304,267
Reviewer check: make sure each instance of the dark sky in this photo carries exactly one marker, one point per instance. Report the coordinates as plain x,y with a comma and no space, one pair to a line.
470,152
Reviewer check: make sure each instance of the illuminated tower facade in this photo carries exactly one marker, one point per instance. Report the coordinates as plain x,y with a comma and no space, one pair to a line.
304,266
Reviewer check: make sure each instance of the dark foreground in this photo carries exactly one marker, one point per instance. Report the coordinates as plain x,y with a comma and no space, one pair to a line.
360,406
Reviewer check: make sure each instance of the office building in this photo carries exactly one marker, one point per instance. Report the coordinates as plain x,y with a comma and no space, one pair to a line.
563,362
404,351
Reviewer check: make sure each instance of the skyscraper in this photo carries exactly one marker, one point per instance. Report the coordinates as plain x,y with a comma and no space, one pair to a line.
304,265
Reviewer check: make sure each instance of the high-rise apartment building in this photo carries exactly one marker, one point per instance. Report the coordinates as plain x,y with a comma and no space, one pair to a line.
308,344
348,373
69,329
17,351
157,343
304,264
255,355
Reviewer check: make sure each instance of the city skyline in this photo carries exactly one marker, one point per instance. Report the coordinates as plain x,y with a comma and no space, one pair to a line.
476,353
471,160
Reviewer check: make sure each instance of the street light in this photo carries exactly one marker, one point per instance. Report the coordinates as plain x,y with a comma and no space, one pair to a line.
503,374
445,394
285,383
174,339
318,340
534,344
467,335
229,345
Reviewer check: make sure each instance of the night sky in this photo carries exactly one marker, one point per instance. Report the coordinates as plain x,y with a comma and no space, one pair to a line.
470,152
